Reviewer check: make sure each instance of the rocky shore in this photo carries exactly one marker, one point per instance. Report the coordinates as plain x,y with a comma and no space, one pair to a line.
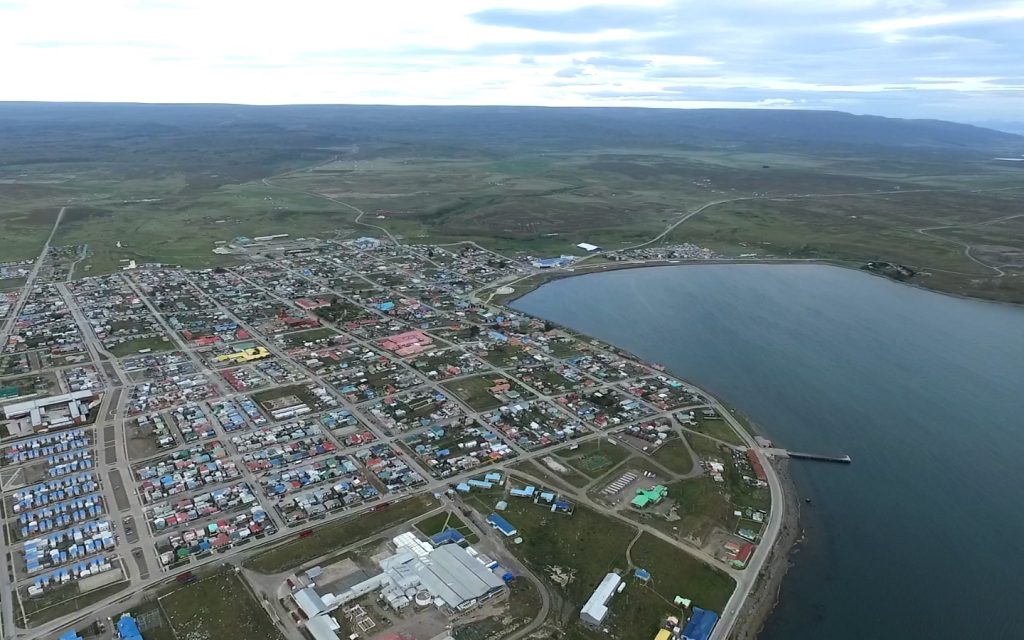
762,600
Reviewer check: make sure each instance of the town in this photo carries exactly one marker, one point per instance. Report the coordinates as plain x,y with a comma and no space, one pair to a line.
353,439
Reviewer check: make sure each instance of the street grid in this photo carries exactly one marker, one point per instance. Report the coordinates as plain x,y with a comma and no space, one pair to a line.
367,415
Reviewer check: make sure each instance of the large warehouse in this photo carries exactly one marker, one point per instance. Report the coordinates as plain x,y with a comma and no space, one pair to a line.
447,577
596,609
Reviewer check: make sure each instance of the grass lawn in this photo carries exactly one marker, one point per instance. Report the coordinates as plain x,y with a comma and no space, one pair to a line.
637,611
334,535
446,520
594,459
221,606
674,456
132,347
718,428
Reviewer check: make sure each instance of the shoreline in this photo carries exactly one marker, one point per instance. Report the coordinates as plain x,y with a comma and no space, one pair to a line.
763,594
542,278
764,597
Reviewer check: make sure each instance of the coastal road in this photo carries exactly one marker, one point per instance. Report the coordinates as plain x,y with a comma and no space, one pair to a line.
746,579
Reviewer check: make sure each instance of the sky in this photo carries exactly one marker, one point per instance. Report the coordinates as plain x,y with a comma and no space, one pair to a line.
958,60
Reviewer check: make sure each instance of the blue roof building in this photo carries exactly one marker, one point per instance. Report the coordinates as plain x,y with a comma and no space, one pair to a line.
127,629
447,536
701,624
502,525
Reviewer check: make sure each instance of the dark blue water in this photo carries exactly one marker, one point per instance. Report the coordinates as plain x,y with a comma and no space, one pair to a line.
919,537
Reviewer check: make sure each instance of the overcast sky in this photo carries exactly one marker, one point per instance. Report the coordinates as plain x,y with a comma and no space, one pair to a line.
954,59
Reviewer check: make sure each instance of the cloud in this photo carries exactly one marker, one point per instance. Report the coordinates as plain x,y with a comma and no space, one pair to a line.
570,72
587,19
611,62
955,59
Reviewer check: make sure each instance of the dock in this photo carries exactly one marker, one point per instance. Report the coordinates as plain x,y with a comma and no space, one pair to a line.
783,453
820,458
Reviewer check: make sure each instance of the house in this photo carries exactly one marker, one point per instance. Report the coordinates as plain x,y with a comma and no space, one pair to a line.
701,624
500,385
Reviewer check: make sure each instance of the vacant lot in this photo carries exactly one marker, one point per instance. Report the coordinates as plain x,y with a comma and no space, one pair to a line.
335,535
221,606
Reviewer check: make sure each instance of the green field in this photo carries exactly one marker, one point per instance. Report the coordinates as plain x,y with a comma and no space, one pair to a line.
718,428
298,338
335,535
220,606
132,347
674,456
595,458
474,391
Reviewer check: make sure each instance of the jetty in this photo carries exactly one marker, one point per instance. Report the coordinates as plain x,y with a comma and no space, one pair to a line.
819,457
784,453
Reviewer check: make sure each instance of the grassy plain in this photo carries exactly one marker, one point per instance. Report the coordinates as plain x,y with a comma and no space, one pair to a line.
169,182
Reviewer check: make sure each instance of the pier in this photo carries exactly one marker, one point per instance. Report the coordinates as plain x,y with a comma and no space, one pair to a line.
783,453
819,457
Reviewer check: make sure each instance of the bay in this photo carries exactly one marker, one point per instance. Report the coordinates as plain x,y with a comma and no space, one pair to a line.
918,537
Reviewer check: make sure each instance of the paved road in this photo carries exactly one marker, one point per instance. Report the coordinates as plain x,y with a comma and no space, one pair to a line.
6,586
30,281
130,505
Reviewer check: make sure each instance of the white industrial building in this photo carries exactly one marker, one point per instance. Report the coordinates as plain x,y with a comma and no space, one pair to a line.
596,608
53,412
448,577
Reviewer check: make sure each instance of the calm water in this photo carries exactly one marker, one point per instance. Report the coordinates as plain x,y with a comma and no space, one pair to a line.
918,538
